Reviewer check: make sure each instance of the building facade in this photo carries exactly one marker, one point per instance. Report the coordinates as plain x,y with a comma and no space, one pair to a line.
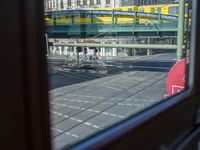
53,5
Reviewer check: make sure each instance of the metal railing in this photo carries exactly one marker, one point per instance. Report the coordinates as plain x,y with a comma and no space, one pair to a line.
139,46
98,28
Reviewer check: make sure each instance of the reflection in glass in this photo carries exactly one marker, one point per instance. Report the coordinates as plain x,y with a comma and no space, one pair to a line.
110,60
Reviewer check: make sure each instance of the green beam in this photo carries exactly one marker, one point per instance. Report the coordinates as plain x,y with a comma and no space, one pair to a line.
92,18
180,33
139,46
113,17
54,21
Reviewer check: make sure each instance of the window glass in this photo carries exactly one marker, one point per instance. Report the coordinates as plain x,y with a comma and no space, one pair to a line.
107,1
141,10
159,10
50,5
152,10
98,2
56,4
61,4
130,9
84,2
69,3
53,4
173,10
78,3
107,63
186,10
91,2
47,4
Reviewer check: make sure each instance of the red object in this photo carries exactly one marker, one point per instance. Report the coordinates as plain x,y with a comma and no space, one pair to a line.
176,78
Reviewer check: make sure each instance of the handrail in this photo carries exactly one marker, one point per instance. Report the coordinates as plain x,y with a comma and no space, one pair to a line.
140,46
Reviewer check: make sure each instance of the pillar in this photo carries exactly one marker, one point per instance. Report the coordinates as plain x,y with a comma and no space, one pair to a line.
134,52
129,52
65,50
50,50
149,52
114,52
103,51
54,49
180,29
60,50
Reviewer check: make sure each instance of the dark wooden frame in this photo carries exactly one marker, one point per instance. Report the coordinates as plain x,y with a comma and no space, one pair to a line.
24,109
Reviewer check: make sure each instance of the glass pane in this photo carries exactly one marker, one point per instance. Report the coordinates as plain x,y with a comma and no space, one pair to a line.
109,60
141,10
152,10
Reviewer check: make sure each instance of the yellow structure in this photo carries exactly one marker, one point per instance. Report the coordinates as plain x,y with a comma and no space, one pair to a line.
168,9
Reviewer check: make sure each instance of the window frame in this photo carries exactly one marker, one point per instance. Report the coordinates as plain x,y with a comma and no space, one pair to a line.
84,2
173,10
98,2
159,10
107,2
123,134
91,2
130,10
61,4
69,3
54,4
26,111
153,10
142,9
78,3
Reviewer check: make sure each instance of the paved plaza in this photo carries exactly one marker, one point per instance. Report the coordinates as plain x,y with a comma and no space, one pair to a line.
89,106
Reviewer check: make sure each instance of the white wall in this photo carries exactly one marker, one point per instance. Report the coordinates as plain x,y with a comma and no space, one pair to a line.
74,4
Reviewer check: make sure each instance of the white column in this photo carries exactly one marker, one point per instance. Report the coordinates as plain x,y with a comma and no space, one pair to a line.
88,3
59,4
114,51
98,52
113,3
74,4
103,3
54,50
51,50
65,52
65,4
118,3
74,49
60,50
103,51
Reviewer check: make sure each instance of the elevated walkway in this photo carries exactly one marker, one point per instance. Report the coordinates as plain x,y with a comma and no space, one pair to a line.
87,30
90,13
159,24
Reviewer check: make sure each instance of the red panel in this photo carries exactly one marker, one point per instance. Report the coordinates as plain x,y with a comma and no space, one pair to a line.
176,78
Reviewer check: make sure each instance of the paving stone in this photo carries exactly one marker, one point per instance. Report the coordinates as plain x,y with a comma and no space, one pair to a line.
106,101
85,115
65,141
66,124
84,130
99,120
